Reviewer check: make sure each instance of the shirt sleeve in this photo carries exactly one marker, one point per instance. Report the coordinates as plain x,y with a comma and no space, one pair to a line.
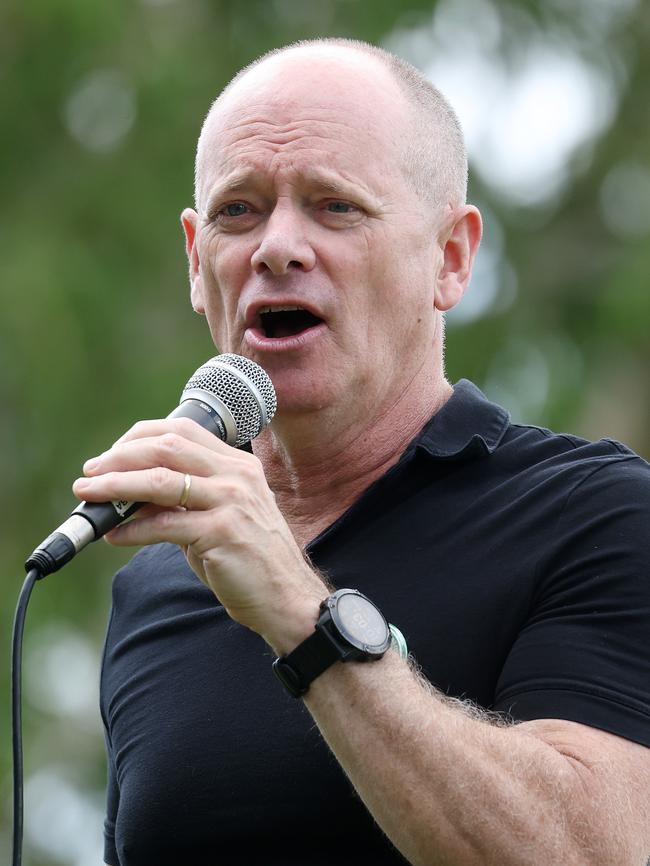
112,803
112,787
584,652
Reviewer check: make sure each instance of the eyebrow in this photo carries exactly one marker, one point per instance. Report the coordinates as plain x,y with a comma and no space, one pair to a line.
336,187
320,179
233,183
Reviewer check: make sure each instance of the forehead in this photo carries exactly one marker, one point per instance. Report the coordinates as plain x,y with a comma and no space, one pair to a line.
321,115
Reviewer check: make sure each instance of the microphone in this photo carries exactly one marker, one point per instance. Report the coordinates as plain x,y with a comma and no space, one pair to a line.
229,395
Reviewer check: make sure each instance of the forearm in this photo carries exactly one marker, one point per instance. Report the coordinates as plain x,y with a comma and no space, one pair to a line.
447,788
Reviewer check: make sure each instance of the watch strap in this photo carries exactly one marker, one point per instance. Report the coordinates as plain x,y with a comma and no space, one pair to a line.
308,660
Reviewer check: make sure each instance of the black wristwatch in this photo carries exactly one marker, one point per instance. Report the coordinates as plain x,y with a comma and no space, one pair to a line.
350,628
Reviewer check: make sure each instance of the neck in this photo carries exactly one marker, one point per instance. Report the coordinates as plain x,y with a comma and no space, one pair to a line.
317,466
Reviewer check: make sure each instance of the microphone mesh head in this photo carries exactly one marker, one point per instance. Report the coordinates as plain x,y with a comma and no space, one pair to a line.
241,385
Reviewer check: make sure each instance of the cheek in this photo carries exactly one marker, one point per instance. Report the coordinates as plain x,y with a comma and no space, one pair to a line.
218,289
223,267
402,314
354,264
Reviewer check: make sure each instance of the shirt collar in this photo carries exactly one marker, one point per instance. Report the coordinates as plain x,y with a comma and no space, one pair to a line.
468,425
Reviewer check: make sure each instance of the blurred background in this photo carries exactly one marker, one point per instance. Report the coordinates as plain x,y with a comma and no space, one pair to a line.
101,107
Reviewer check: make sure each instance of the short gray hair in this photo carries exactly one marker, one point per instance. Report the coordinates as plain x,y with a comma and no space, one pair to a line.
435,157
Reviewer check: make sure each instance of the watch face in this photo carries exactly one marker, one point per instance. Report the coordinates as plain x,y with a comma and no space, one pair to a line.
361,622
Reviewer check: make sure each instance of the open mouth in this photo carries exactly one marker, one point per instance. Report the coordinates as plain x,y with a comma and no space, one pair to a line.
287,322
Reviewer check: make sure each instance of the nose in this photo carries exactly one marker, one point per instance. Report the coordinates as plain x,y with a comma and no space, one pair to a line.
284,245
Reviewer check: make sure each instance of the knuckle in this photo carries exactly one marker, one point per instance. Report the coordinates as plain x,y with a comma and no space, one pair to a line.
220,522
185,426
252,469
159,478
211,557
165,520
229,491
256,464
171,443
111,482
135,430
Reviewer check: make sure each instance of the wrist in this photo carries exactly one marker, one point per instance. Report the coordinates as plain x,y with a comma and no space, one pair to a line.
295,622
349,627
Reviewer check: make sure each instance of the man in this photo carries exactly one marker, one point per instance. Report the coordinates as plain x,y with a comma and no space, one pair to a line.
330,236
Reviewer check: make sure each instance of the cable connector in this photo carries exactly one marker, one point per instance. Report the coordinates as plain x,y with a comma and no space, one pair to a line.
59,547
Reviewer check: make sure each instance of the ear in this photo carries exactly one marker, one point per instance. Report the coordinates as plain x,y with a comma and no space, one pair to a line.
460,245
189,219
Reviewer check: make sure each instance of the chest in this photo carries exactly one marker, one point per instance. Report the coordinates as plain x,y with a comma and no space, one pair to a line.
211,755
207,745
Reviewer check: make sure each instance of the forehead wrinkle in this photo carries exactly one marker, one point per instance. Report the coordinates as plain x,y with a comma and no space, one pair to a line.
274,123
295,131
252,124
252,155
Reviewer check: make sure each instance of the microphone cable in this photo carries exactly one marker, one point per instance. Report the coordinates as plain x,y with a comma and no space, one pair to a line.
16,714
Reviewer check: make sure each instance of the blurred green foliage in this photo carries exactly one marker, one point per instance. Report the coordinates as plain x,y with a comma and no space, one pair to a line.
96,328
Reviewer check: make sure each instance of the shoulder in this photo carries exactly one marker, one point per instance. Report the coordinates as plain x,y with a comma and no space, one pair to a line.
573,464
594,496
542,442
470,428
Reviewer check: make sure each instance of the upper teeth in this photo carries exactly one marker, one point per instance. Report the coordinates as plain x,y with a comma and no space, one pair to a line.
278,309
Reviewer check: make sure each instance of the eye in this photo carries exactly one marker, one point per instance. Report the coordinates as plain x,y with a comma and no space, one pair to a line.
340,207
234,209
234,216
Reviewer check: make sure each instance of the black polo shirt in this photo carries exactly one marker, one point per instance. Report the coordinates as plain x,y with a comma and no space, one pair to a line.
515,562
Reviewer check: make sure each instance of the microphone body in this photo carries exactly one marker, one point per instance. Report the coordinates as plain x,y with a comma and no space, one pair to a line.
230,396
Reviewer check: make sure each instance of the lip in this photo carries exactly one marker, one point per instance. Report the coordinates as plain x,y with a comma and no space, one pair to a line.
257,339
252,314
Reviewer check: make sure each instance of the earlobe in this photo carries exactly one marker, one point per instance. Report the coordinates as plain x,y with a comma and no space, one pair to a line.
189,220
196,295
459,252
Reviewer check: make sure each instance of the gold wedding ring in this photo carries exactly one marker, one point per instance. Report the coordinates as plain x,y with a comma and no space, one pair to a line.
185,495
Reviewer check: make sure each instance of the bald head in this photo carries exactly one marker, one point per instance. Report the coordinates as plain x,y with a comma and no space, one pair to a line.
431,141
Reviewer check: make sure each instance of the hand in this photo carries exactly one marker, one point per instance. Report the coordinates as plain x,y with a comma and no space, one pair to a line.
231,530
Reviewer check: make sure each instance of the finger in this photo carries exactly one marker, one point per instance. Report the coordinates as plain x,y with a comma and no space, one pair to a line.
146,510
184,427
159,486
168,449
174,526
